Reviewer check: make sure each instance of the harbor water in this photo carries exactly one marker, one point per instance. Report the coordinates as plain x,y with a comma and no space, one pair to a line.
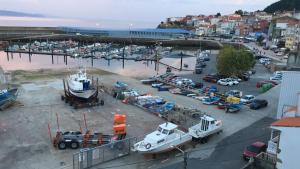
137,69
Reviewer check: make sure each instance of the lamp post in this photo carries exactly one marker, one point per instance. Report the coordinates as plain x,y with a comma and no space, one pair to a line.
184,156
130,25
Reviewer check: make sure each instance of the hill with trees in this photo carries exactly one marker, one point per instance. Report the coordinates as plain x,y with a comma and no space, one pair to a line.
283,5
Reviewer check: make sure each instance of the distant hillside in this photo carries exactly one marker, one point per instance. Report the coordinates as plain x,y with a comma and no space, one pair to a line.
19,14
283,5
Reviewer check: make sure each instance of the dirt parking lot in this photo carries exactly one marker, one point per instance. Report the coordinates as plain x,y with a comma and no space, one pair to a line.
24,133
23,127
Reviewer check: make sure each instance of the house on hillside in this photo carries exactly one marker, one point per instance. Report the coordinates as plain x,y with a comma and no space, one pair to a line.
279,26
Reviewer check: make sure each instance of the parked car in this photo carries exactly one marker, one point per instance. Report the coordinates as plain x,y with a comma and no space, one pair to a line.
254,149
156,85
235,93
264,60
257,104
211,100
247,99
210,78
198,70
261,83
228,82
276,77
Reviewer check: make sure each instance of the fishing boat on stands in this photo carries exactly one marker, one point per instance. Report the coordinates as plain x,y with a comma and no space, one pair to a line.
7,97
80,86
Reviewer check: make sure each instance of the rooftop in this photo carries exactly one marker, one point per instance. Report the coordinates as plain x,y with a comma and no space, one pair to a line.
287,122
168,126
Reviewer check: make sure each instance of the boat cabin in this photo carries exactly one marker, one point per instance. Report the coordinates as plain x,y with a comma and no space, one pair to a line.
207,122
167,128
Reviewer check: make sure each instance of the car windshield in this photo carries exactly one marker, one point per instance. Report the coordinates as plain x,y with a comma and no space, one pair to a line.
253,149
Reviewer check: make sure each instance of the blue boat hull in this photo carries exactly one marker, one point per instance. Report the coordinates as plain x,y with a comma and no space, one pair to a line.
9,97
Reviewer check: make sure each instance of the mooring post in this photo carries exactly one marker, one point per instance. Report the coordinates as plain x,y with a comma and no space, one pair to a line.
52,56
181,62
123,56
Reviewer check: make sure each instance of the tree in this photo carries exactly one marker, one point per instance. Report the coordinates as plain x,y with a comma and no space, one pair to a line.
218,14
283,5
233,62
239,12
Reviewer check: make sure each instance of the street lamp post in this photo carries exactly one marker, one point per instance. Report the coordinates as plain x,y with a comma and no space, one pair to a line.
184,156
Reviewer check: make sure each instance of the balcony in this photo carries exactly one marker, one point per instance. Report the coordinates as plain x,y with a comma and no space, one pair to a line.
272,145
265,161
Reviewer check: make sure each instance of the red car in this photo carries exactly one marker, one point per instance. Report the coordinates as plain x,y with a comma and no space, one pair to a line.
254,149
261,83
211,79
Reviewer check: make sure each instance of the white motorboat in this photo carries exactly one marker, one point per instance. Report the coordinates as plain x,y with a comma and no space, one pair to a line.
206,127
80,86
163,139
167,136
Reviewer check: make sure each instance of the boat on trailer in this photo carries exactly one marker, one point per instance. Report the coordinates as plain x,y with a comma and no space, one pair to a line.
163,139
168,136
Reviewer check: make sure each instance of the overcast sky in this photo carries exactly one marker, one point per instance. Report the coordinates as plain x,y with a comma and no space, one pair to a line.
148,11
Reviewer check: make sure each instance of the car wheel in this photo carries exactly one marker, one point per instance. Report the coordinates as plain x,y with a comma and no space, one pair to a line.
74,145
62,145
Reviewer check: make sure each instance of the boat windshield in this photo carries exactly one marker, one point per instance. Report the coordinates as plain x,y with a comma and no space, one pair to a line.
159,129
165,131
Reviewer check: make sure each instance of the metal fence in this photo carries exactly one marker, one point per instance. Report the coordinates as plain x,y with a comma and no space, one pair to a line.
90,157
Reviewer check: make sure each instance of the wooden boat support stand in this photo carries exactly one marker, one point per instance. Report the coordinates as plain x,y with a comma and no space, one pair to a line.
76,102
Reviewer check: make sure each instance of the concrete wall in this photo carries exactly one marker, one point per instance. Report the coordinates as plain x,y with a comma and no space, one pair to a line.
289,148
290,87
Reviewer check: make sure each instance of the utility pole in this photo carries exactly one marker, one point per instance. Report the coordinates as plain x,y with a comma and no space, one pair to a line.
185,157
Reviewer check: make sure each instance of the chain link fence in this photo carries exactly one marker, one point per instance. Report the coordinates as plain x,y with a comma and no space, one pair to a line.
90,157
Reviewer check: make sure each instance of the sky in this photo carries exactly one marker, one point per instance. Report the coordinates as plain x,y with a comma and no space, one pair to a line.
137,13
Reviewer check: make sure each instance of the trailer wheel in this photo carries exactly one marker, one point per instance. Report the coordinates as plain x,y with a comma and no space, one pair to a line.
74,145
62,145
102,102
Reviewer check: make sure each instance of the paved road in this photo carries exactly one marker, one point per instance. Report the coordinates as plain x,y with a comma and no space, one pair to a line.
227,154
267,53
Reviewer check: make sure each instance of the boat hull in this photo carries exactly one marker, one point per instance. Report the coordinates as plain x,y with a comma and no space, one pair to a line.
10,98
84,95
165,147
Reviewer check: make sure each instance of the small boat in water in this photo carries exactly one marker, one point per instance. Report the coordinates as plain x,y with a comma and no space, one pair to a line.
80,86
7,97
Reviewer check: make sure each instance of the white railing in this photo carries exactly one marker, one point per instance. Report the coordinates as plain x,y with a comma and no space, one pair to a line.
270,158
272,145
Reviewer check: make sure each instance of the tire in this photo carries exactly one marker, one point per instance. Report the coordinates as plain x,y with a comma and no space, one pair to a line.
148,146
62,145
74,145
